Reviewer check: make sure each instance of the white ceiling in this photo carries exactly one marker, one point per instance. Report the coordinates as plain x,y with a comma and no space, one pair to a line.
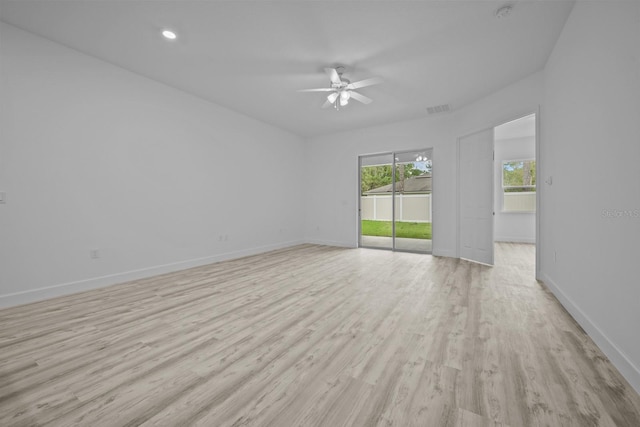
253,56
520,128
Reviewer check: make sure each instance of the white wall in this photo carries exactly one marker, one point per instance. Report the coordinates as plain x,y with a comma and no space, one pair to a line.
93,156
513,102
512,226
591,147
332,198
332,216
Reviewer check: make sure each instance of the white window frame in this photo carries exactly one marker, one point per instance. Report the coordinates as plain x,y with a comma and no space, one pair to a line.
514,186
505,187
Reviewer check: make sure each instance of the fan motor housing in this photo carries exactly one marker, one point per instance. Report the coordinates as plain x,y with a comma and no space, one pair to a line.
343,83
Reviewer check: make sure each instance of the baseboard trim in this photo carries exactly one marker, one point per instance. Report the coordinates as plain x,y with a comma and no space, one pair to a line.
444,253
512,239
615,355
330,243
436,252
47,292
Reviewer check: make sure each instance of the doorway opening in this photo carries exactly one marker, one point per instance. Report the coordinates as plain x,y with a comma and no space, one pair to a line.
515,187
497,195
395,201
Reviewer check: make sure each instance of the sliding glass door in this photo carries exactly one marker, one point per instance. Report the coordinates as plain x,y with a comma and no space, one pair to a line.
412,219
395,201
376,201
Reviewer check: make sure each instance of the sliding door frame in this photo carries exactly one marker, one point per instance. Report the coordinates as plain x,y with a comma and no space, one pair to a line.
393,155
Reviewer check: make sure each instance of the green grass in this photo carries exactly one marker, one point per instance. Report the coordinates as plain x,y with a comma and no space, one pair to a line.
411,230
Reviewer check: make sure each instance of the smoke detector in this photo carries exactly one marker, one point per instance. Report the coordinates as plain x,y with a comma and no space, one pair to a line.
504,12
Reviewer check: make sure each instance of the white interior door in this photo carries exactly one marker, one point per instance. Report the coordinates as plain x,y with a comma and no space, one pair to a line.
475,197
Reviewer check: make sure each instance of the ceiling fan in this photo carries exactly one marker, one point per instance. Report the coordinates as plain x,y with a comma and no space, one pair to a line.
342,90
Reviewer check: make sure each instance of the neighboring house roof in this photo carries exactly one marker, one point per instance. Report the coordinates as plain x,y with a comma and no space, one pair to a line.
413,184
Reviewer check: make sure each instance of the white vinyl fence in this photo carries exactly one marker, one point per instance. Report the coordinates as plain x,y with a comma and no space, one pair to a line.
520,202
409,207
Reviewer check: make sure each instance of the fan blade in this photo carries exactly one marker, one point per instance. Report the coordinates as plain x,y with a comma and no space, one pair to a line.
333,75
361,98
365,82
323,89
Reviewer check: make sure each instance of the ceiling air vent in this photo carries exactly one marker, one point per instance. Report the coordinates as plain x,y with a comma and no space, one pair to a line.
444,108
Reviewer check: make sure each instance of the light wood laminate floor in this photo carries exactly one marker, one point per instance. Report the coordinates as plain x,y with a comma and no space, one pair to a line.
310,336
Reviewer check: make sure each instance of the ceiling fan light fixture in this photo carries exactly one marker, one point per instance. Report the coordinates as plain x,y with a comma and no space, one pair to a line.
342,90
332,97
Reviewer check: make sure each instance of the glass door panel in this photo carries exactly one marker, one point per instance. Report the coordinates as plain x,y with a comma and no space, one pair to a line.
376,201
396,201
413,191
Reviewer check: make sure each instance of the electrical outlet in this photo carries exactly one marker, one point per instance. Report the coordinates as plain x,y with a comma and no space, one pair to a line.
94,254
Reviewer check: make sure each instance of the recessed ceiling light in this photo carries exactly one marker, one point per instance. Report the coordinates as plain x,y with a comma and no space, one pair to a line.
169,35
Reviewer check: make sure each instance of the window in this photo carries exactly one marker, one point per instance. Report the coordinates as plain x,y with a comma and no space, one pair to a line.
519,185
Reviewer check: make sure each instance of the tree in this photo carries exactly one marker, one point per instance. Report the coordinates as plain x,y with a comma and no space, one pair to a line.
518,176
377,176
374,176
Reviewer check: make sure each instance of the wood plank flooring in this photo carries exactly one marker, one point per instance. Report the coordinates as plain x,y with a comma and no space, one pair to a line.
312,336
